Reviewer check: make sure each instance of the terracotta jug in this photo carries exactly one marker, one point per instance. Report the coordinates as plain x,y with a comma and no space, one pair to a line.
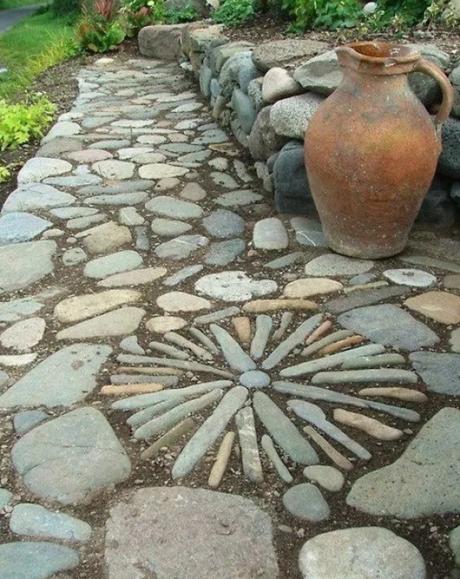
371,149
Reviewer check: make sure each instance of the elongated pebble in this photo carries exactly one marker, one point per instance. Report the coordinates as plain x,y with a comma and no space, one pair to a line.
320,331
250,457
181,364
283,431
286,319
146,414
293,340
242,326
146,370
144,400
123,379
129,389
266,306
232,351
169,350
275,459
365,286
204,339
209,431
223,456
341,345
168,439
175,415
314,415
374,361
368,375
259,342
405,394
336,457
331,361
371,426
329,339
179,340
216,316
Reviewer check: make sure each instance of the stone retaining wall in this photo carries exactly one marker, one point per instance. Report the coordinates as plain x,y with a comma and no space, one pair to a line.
266,95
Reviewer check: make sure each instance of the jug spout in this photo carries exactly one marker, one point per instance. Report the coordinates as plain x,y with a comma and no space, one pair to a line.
378,58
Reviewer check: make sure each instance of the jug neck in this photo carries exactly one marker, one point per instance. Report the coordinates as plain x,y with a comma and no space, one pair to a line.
377,59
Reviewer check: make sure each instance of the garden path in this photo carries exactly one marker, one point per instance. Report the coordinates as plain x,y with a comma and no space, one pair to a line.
9,18
155,311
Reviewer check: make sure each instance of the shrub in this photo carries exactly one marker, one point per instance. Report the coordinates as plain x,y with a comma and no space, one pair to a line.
21,122
100,28
4,174
65,7
339,14
186,14
235,12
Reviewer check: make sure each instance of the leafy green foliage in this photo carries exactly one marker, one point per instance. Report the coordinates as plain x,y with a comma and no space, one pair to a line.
339,14
235,12
4,174
186,14
65,7
21,122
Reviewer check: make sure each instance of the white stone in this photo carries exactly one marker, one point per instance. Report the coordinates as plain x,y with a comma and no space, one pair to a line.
410,277
40,168
24,334
234,286
182,302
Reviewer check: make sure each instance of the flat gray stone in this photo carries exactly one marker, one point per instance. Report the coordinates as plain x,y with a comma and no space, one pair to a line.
234,354
238,198
134,277
439,371
15,310
454,543
389,325
181,247
117,323
169,227
35,560
182,275
118,199
82,307
36,196
106,237
174,208
36,521
24,334
328,477
39,168
306,502
73,212
404,489
74,180
250,457
179,515
76,365
72,458
332,264
5,498
130,216
360,552
234,286
410,277
102,267
114,169
270,234
161,171
283,431
26,420
224,252
254,379
365,297
223,224
73,256
32,261
286,51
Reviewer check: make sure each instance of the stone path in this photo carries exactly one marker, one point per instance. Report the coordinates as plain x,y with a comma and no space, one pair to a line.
163,333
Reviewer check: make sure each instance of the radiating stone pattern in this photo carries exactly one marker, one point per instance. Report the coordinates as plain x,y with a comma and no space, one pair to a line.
146,255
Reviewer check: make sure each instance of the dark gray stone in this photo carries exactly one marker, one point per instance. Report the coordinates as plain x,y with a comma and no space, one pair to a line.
287,51
263,141
389,325
244,109
223,224
224,252
438,209
449,162
440,372
364,297
306,502
292,192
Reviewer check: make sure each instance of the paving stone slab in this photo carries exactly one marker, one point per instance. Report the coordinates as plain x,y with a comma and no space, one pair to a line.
65,377
72,458
188,517
32,261
117,323
36,196
439,371
37,560
234,286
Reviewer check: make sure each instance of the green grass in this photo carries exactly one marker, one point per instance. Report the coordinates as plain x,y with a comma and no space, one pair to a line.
6,4
29,48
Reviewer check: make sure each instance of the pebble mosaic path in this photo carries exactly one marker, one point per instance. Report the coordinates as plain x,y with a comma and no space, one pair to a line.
192,386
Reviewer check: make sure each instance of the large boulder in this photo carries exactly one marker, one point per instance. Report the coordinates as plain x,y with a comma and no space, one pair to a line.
292,192
244,110
289,117
279,84
449,162
320,74
438,209
263,141
161,41
219,55
232,70
284,52
255,93
197,37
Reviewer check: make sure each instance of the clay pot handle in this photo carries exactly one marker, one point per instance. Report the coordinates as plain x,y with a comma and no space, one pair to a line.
447,90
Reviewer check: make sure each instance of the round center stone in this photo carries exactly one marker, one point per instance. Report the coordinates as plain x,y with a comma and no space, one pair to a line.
254,379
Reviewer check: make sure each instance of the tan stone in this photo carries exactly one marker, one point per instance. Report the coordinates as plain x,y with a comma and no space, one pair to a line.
222,458
338,458
242,327
405,394
319,332
454,340
262,306
182,302
373,427
304,288
133,277
164,324
168,438
86,306
130,389
452,281
156,371
440,306
107,237
341,345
